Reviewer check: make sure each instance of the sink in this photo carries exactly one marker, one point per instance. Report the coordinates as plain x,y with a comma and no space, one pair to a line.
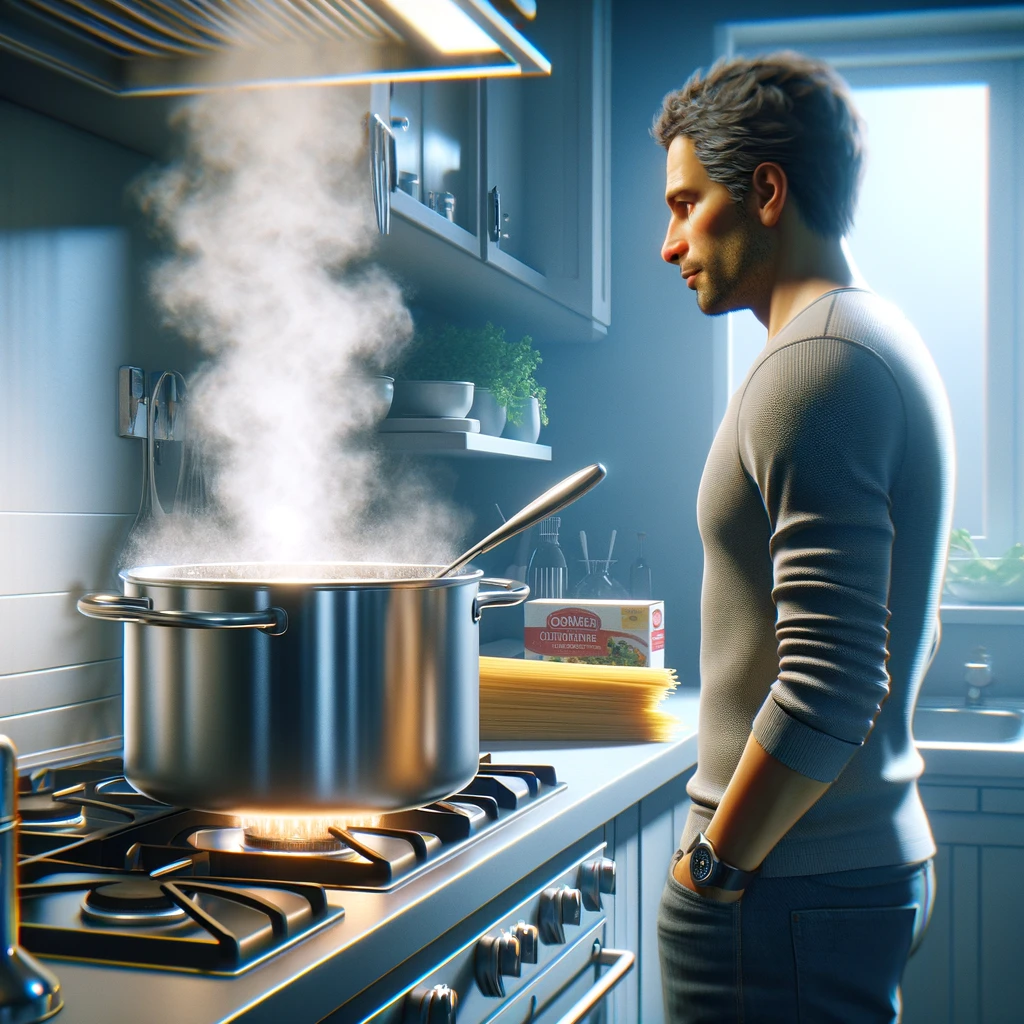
967,725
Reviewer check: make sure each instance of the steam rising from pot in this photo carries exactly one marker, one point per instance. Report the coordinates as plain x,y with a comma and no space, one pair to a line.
269,219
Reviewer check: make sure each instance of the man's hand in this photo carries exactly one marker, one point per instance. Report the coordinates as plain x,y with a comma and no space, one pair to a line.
681,873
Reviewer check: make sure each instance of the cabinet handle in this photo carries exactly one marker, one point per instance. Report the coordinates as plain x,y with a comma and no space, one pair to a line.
382,171
495,215
621,962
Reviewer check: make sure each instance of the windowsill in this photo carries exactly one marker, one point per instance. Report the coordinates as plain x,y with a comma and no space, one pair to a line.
983,614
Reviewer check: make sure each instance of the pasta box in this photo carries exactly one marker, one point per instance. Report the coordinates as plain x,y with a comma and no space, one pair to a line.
596,632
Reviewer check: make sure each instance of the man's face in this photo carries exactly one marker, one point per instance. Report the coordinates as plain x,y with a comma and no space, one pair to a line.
718,245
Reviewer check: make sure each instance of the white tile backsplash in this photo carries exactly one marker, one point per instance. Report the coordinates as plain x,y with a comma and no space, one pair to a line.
49,553
72,264
47,631
25,692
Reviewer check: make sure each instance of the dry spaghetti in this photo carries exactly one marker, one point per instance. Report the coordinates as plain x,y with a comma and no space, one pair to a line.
522,699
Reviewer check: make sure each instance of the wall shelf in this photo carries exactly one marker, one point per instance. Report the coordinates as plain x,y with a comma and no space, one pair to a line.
463,443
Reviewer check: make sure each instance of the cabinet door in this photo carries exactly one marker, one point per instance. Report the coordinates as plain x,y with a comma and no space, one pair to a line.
437,155
1001,935
928,979
622,835
642,841
662,817
547,162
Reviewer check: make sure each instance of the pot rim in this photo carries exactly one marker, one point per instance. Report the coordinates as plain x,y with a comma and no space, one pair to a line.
192,575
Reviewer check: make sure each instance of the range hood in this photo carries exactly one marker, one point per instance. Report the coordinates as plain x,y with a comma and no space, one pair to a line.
168,47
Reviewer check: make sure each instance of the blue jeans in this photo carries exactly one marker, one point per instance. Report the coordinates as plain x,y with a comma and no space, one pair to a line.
811,949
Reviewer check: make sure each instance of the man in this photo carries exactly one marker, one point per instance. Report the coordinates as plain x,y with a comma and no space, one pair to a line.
804,875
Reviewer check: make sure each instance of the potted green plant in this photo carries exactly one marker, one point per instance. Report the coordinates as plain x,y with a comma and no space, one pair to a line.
502,371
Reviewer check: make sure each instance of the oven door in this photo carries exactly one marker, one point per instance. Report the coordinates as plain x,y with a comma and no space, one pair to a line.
541,962
572,990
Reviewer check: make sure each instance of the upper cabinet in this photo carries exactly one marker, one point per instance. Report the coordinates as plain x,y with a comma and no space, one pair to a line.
500,187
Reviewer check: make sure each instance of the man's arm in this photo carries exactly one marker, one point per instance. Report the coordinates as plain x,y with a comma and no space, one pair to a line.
762,802
823,461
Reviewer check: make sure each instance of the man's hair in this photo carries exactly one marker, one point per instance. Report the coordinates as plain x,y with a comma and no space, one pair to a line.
783,108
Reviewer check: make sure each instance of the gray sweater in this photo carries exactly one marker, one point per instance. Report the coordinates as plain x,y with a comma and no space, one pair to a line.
824,509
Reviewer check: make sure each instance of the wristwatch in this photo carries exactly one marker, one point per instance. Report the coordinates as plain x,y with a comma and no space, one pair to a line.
707,869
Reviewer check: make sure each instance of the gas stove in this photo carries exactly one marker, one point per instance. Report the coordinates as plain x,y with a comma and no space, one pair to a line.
109,876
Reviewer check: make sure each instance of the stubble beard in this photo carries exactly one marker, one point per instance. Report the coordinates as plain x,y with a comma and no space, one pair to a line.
736,272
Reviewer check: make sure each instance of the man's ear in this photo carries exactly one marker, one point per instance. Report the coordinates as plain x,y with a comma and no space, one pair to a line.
768,193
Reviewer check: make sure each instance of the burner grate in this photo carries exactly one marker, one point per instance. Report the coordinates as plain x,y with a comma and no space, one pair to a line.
123,918
203,897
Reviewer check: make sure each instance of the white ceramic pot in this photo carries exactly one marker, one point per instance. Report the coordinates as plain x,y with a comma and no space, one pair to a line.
492,416
529,429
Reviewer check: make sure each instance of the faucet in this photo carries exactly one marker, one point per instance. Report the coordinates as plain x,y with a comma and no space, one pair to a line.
28,991
977,676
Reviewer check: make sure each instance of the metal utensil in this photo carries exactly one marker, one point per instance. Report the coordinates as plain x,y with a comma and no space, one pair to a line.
565,492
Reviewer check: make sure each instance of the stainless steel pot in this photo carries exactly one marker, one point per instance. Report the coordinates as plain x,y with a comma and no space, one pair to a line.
310,689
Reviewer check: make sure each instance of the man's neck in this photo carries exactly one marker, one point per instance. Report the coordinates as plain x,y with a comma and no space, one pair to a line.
807,266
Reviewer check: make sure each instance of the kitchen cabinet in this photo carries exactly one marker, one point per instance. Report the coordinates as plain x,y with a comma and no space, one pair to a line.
967,970
642,840
500,207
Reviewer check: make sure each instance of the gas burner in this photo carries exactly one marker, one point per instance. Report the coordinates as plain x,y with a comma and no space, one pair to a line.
240,840
40,812
61,807
139,901
278,844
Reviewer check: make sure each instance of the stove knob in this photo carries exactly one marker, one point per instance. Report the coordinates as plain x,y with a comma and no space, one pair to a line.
435,1005
596,877
496,957
558,907
529,939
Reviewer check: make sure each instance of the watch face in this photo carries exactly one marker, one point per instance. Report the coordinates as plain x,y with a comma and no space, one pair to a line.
701,864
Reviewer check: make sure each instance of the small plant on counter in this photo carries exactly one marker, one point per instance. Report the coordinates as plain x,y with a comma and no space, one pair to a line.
481,355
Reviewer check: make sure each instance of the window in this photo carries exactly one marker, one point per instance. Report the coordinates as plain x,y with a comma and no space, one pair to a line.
939,225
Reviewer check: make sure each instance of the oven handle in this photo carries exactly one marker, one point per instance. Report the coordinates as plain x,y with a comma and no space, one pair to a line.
620,961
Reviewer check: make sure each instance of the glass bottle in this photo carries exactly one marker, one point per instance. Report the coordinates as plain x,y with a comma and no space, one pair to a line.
548,574
640,573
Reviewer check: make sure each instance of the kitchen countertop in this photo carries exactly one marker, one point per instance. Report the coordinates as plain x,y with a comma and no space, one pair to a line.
381,930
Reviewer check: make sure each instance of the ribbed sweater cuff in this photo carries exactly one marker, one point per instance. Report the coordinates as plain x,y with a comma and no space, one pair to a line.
808,751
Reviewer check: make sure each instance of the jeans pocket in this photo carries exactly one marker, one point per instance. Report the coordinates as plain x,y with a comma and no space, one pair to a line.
849,962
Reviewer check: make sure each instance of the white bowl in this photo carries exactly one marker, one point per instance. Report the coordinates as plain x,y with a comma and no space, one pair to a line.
380,387
452,398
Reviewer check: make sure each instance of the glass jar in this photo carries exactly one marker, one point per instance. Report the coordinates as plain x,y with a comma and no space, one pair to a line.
598,584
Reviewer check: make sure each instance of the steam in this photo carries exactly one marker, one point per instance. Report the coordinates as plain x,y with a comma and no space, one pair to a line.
270,219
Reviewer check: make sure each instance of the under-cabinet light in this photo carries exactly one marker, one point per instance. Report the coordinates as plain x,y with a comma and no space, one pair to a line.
445,25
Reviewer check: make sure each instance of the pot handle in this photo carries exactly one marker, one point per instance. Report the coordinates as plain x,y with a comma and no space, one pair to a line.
512,592
115,608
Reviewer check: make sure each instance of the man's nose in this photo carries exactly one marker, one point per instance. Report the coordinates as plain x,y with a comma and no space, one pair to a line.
673,248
